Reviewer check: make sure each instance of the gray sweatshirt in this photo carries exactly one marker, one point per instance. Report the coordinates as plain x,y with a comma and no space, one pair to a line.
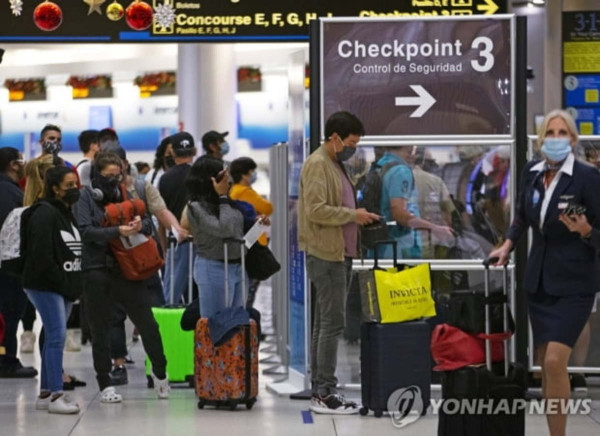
211,225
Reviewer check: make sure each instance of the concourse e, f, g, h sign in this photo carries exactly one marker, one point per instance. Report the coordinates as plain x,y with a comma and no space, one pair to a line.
420,77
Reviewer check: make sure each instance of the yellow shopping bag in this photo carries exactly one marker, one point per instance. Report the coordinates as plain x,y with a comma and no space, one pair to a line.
404,295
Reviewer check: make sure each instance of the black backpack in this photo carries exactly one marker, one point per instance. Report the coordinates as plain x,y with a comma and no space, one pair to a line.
371,200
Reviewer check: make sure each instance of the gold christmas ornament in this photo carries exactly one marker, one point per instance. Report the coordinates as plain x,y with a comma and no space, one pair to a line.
115,11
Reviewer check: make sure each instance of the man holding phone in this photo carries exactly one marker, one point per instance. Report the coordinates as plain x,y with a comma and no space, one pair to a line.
328,221
172,190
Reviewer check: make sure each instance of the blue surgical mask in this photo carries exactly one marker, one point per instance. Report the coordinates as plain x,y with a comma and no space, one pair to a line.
224,148
556,149
253,178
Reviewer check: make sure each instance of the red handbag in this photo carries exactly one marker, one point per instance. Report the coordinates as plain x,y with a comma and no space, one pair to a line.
452,348
143,260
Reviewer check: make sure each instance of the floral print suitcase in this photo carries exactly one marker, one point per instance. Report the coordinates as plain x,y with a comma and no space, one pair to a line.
226,375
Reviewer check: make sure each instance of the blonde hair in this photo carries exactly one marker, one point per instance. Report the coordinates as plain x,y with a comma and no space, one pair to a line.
35,172
566,117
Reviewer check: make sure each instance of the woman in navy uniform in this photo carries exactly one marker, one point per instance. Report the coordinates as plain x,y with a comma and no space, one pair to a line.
562,272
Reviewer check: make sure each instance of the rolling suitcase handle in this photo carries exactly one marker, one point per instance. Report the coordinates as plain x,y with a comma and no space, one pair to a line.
488,346
394,245
190,270
226,262
172,246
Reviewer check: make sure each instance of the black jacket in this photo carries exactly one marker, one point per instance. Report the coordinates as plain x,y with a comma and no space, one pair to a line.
559,259
52,256
95,237
11,196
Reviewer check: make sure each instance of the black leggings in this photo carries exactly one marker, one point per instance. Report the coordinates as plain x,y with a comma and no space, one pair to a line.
104,288
28,317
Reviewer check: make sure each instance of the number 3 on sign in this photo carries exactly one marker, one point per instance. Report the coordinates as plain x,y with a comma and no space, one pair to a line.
485,53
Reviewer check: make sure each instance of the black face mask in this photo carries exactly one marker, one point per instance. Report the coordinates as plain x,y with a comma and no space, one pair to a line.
169,161
51,147
71,196
109,186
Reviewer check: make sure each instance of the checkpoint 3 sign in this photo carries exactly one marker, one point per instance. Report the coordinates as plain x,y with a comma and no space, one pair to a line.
420,77
218,20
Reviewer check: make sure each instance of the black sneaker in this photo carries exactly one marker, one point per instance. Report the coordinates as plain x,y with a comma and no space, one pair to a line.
17,370
332,404
118,376
578,383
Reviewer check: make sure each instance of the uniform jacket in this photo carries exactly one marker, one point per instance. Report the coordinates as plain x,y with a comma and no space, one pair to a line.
559,260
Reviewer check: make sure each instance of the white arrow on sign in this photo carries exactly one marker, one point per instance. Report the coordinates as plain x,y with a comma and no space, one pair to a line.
424,101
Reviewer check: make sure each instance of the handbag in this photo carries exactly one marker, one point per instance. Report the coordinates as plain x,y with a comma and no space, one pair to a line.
466,310
452,348
137,261
261,263
390,296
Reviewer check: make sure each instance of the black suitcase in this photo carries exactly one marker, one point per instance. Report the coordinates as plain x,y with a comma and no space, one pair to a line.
500,383
394,356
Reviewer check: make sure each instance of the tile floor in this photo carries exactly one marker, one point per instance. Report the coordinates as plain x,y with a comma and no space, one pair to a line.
142,413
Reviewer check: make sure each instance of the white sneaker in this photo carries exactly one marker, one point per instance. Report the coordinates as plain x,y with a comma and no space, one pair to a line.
42,403
71,343
63,405
27,342
333,404
161,387
108,395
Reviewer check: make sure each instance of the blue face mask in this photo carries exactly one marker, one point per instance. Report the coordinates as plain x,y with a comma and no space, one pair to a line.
556,149
253,178
224,148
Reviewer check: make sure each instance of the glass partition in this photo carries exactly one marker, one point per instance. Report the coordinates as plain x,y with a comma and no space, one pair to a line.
464,188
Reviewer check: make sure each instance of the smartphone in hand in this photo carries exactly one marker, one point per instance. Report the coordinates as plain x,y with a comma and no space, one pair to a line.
220,175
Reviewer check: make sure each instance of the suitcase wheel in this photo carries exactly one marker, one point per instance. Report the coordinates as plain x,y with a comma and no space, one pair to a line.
364,411
201,404
378,413
150,382
250,403
191,381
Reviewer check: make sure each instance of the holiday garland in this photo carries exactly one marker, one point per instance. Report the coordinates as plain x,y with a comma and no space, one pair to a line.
26,89
139,15
162,83
91,87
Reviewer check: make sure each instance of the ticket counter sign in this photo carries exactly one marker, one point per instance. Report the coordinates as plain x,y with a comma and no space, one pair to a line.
426,77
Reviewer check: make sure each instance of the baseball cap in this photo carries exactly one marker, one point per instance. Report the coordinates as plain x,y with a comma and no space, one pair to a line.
183,143
213,136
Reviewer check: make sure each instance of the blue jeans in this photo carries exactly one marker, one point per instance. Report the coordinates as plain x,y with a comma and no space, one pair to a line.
54,310
181,273
210,278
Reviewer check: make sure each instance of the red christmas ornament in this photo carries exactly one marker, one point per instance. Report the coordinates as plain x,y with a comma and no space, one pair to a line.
139,15
47,16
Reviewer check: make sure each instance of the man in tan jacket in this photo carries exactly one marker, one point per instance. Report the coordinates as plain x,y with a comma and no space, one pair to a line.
328,223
